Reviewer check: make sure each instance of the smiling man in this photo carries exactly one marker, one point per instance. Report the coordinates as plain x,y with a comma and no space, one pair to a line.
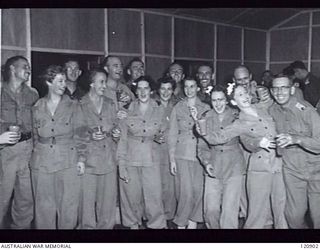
17,99
299,143
205,78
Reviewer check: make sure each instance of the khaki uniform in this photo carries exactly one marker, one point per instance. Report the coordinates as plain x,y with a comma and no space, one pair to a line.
55,182
189,178
301,163
222,193
16,110
264,177
112,93
138,155
167,179
99,183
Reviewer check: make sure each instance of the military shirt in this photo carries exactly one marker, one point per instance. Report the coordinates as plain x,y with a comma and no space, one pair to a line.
54,143
136,146
182,141
227,159
100,155
16,107
300,119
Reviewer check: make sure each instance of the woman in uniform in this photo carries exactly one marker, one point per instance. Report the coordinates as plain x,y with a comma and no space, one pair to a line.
55,159
224,164
165,98
184,164
140,181
265,186
99,183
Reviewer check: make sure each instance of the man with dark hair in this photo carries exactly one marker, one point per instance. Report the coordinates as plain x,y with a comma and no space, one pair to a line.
311,84
176,72
73,73
266,78
298,142
116,89
205,77
135,69
17,98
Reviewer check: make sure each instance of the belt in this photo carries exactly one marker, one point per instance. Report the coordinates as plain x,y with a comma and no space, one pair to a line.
141,138
54,140
25,136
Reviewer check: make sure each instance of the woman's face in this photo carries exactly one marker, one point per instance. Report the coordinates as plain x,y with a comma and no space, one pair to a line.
242,97
190,88
58,84
219,101
98,84
143,91
165,91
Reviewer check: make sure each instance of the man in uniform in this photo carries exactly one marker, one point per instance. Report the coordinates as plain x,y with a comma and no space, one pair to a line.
135,69
205,78
310,85
17,99
176,72
73,73
298,142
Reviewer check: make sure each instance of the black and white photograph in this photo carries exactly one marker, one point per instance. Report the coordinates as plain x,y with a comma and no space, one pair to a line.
122,120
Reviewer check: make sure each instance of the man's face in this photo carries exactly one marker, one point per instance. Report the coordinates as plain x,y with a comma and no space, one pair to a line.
267,77
73,71
143,91
281,90
242,77
136,70
204,75
301,74
219,101
21,70
114,68
190,88
165,91
176,73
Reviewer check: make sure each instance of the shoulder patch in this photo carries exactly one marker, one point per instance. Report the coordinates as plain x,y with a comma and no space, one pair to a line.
300,106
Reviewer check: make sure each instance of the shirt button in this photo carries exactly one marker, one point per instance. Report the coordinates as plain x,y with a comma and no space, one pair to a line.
266,127
100,119
260,120
259,156
52,119
51,146
144,131
144,121
221,150
52,130
192,137
190,116
221,127
251,129
104,146
190,123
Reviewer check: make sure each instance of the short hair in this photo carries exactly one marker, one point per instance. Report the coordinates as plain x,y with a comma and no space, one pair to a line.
288,71
174,63
166,79
298,65
92,73
242,66
51,72
135,59
219,88
188,78
281,75
10,61
70,59
145,78
106,59
267,71
206,64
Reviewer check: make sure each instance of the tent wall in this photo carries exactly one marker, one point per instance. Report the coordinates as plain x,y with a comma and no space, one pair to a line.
296,39
157,38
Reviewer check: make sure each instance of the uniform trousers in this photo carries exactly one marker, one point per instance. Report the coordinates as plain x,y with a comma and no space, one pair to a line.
142,193
221,202
301,194
168,192
56,198
98,201
263,189
16,181
189,190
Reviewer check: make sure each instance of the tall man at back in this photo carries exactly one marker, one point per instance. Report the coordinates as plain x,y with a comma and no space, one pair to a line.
73,73
135,69
17,98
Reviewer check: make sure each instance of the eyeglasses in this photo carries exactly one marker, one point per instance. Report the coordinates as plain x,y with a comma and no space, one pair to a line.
282,89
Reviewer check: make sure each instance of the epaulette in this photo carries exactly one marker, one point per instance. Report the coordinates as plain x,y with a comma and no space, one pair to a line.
300,106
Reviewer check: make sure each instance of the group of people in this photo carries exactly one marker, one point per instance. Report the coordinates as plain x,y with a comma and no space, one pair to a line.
168,154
